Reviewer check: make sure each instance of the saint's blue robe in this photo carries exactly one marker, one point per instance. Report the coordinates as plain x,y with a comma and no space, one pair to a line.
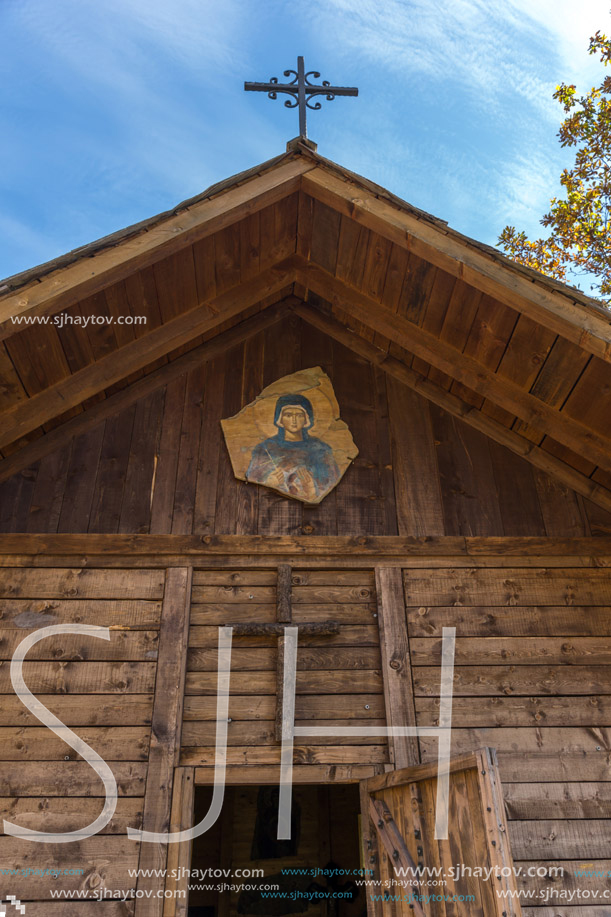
309,453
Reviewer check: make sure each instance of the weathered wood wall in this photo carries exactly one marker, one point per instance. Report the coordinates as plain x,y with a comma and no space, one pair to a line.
104,691
532,679
161,466
339,679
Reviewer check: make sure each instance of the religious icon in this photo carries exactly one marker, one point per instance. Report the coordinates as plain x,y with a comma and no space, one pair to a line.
291,438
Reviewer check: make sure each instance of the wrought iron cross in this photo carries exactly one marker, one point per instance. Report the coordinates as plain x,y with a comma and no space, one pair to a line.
302,91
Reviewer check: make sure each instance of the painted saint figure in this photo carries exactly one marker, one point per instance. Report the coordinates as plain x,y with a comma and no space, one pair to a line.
293,461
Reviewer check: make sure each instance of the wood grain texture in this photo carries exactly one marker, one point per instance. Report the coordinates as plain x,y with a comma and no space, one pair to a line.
165,729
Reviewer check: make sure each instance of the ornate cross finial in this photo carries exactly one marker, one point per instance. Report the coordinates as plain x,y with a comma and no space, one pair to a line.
301,91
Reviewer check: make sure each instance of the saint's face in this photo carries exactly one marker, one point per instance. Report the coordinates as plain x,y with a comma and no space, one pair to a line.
293,419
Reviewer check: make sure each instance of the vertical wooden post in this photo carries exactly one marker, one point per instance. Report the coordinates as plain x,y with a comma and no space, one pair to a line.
396,666
371,854
284,615
179,855
165,731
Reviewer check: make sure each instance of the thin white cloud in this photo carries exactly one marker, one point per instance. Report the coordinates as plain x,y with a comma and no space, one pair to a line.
490,47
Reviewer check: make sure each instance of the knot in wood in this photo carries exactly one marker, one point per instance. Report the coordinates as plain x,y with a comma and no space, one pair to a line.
395,664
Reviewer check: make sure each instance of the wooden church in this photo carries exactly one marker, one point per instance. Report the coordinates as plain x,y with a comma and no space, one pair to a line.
478,394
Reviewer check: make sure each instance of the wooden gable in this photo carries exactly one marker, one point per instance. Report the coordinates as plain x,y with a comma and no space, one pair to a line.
520,358
151,459
477,392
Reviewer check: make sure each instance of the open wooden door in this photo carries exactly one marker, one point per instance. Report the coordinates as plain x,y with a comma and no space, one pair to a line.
471,873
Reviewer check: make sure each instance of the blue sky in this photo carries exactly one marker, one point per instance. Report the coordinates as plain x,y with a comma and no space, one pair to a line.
114,110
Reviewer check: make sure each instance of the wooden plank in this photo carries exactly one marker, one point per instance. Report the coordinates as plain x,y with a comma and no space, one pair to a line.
188,453
266,635
561,910
386,487
81,584
80,481
83,677
307,707
458,408
198,736
468,492
396,667
520,621
360,500
573,878
310,595
226,495
536,801
78,710
179,855
516,681
30,613
110,858
461,367
392,841
68,779
368,681
543,755
519,711
165,731
418,493
82,909
175,282
308,629
50,365
49,490
302,774
247,511
55,291
559,839
164,484
123,644
276,514
516,492
512,587
88,381
15,504
452,252
110,479
591,651
326,549
283,593
113,744
140,473
255,755
526,352
560,507
206,487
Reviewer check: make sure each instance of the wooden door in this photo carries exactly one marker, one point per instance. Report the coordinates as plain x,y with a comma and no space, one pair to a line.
398,820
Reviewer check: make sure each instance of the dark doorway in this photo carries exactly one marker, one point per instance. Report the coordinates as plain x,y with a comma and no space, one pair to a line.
316,872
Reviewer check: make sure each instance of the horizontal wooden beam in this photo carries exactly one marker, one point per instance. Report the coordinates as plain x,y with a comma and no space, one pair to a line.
121,400
26,416
503,392
458,408
302,545
91,273
583,323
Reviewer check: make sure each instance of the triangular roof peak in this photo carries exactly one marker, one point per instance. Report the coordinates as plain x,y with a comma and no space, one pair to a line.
504,346
253,189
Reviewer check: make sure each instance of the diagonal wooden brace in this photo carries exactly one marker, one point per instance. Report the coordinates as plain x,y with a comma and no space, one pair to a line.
394,844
